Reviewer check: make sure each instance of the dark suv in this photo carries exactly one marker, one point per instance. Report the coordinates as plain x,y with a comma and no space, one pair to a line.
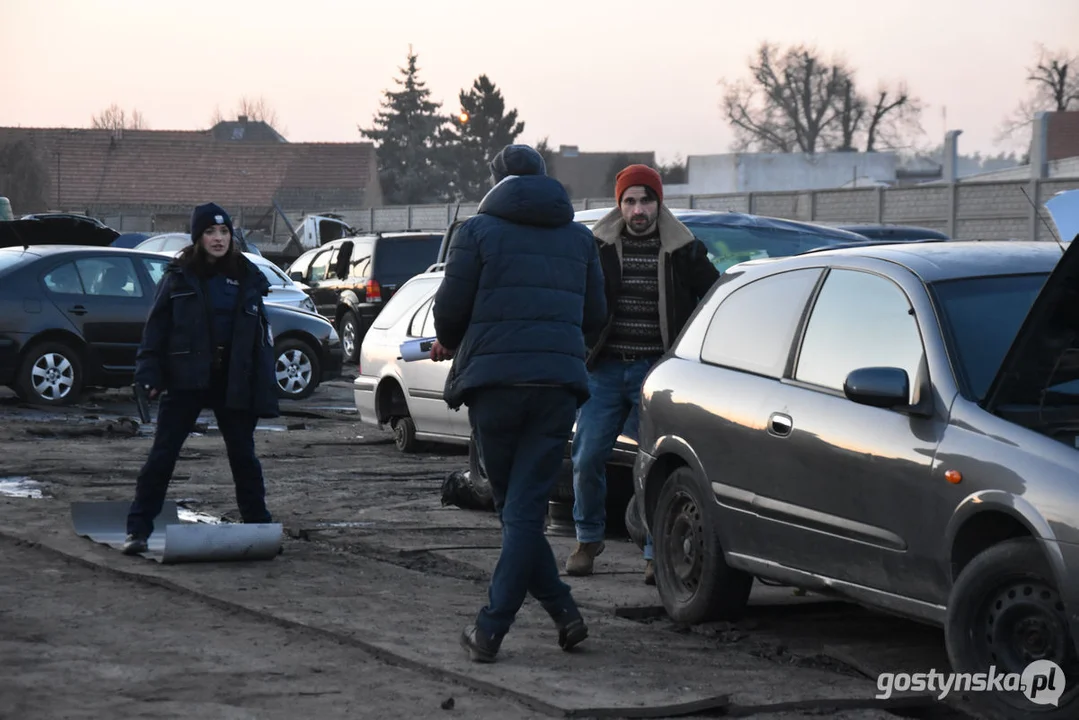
351,279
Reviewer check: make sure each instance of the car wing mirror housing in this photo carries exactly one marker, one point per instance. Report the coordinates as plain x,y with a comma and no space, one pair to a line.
882,387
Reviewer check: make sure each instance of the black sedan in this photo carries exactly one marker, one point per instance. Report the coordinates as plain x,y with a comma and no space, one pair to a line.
71,317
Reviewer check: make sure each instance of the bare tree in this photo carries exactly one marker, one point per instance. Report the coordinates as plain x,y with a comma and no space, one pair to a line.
1054,86
895,118
795,100
115,117
254,109
257,109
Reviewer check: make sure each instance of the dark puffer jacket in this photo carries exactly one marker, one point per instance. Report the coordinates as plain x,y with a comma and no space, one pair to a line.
523,284
176,353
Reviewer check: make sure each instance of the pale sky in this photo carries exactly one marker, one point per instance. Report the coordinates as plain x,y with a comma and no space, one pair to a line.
605,76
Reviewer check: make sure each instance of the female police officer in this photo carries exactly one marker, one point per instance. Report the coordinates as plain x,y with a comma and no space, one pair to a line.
206,344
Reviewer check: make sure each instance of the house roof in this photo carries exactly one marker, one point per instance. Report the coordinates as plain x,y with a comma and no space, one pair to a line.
174,167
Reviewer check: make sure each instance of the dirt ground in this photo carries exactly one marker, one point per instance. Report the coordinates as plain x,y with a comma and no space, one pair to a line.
359,617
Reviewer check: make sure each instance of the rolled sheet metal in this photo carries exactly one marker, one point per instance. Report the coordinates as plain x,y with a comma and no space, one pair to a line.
202,542
175,541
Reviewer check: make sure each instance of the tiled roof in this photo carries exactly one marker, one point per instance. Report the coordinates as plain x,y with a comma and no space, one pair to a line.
155,167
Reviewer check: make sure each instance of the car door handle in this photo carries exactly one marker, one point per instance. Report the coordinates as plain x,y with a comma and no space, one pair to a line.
77,310
780,424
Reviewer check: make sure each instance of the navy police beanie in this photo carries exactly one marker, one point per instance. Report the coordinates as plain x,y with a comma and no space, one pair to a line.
206,215
517,160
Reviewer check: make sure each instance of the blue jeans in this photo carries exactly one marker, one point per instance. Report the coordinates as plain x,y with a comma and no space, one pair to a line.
615,388
521,435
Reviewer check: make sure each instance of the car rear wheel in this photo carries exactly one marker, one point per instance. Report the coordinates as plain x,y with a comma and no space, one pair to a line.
51,374
694,581
350,336
296,369
1005,612
404,434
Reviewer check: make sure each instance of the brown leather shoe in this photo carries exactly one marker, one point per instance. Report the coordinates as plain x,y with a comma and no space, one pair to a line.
580,561
649,573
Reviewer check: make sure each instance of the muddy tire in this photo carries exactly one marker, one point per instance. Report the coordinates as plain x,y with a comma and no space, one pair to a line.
1005,612
694,581
404,435
50,375
349,330
296,369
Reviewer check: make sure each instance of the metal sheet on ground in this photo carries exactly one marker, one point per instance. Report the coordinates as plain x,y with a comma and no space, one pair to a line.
174,541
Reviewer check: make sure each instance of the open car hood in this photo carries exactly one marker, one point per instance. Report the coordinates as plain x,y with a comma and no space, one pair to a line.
1064,209
55,230
1045,353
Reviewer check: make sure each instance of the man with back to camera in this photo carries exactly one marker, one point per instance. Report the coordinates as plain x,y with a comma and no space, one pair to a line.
655,273
522,286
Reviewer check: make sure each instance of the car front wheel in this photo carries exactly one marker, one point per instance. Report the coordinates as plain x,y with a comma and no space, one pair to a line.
296,369
694,581
51,374
1004,614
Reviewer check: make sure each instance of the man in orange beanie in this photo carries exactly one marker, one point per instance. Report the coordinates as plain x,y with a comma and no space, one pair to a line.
655,273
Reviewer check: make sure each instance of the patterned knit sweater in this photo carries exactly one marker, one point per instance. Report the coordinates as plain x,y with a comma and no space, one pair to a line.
636,312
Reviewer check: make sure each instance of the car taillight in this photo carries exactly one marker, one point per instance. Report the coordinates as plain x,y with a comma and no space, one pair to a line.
374,291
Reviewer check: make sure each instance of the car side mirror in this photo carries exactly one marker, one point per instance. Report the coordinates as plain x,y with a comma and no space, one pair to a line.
295,276
882,387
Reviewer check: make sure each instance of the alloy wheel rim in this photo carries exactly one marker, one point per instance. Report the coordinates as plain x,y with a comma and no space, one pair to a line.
52,376
293,371
348,338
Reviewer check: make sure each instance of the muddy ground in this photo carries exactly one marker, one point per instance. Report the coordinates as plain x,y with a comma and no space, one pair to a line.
359,617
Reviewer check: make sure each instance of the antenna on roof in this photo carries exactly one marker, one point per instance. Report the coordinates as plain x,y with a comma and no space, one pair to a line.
1051,230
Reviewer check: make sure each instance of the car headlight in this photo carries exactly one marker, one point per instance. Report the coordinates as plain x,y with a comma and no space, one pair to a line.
308,304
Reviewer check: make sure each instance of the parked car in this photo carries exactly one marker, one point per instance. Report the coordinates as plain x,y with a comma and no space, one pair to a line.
175,242
71,317
895,233
283,291
351,279
895,424
733,237
407,396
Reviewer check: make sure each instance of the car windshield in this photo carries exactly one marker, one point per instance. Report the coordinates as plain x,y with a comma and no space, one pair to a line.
729,245
275,277
981,318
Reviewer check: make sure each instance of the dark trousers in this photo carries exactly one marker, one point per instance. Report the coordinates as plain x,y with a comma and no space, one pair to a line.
521,434
176,417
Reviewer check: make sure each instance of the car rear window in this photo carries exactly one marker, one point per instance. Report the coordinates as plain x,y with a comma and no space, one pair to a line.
12,258
401,258
405,299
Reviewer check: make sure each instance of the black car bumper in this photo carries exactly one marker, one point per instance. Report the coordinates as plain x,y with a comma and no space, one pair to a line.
10,347
332,360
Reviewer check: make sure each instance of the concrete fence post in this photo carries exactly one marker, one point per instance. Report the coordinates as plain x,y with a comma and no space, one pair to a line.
880,206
